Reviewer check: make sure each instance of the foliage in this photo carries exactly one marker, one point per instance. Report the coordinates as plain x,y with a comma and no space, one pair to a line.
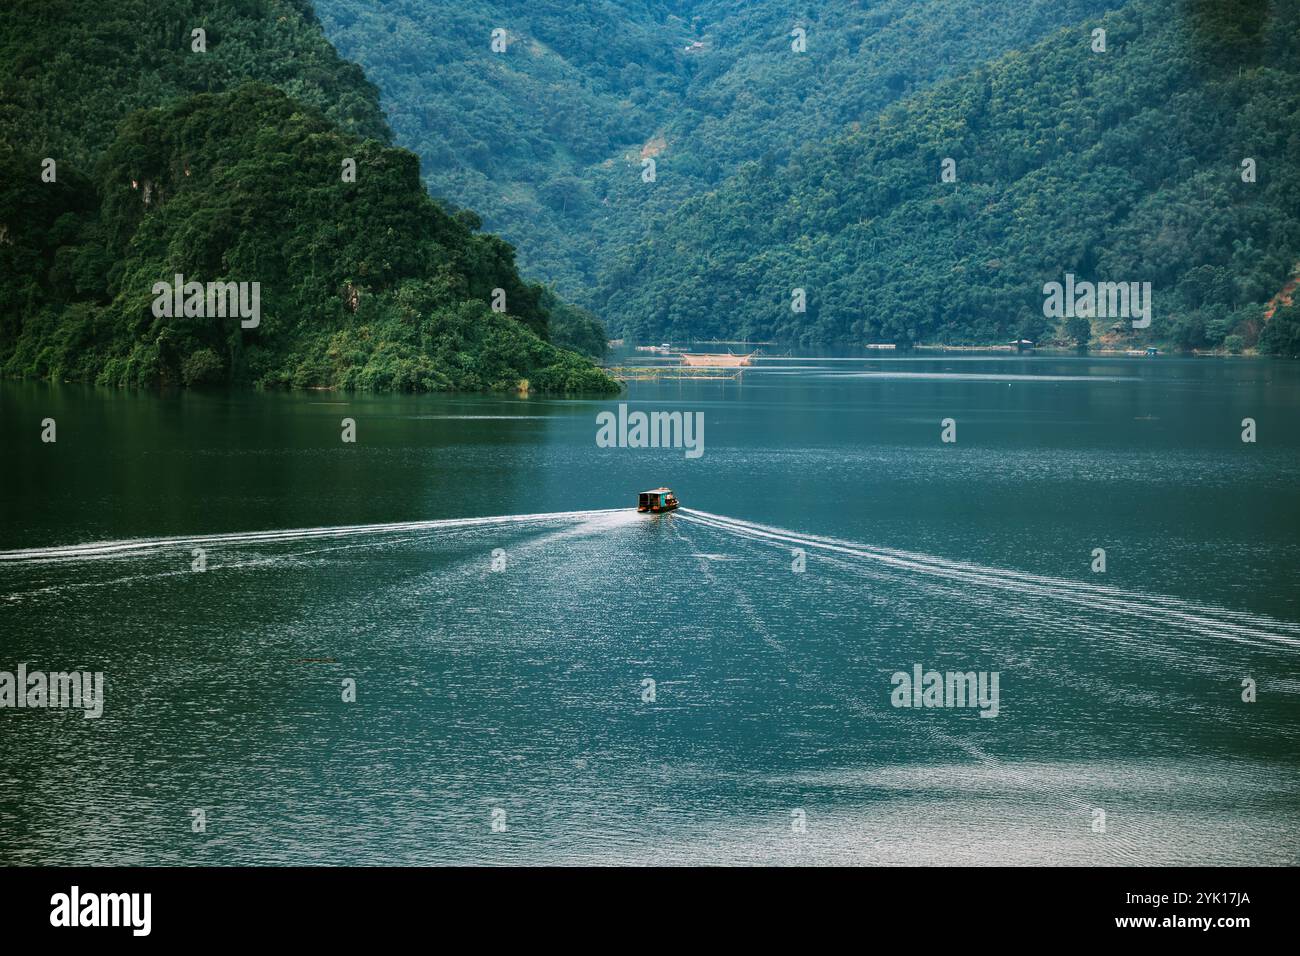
73,70
574,328
1282,334
1121,166
546,139
1079,331
366,284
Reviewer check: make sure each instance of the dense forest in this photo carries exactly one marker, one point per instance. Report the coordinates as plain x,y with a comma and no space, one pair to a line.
917,169
546,139
822,170
70,71
1124,165
133,150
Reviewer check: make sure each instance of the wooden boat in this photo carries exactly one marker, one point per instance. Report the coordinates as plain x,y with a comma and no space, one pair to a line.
657,501
713,360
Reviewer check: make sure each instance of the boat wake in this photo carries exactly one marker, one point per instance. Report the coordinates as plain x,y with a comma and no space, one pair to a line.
139,547
1239,626
1045,784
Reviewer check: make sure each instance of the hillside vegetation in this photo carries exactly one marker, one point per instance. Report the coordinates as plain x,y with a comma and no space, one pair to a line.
546,139
1124,165
363,284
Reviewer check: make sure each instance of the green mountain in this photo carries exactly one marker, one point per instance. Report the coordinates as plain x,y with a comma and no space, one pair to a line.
71,73
224,158
920,169
1128,165
546,139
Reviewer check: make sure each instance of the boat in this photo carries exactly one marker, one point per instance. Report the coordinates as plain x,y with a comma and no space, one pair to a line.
657,501
714,360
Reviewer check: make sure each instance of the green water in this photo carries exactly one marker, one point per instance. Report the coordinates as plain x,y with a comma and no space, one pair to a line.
519,692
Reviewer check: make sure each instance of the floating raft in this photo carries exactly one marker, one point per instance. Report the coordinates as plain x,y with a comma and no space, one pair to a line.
655,373
717,360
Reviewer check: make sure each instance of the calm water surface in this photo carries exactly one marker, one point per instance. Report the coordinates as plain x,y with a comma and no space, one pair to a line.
521,690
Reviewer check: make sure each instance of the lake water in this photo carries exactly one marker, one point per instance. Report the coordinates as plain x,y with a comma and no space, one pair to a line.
518,697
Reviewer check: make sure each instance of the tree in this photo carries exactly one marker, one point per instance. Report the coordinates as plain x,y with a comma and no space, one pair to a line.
1281,336
1079,330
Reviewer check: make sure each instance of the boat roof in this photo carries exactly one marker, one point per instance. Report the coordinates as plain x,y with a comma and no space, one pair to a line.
657,491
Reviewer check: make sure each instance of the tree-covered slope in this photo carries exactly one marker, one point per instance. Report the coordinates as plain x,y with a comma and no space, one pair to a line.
1123,165
71,70
365,284
364,281
546,139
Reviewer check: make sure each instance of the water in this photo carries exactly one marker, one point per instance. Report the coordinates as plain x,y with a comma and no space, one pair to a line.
520,691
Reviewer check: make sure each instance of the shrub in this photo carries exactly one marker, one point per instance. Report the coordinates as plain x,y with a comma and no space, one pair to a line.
203,367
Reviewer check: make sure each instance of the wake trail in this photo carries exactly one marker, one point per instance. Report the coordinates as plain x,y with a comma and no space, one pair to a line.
1231,625
136,547
1240,626
1063,796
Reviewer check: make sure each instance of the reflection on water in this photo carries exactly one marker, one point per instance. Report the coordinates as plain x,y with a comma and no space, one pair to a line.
523,689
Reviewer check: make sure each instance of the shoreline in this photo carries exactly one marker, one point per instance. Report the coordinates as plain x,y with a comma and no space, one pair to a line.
1065,349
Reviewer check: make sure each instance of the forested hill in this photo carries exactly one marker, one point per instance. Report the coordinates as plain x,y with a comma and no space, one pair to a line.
1128,165
119,171
545,139
73,69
